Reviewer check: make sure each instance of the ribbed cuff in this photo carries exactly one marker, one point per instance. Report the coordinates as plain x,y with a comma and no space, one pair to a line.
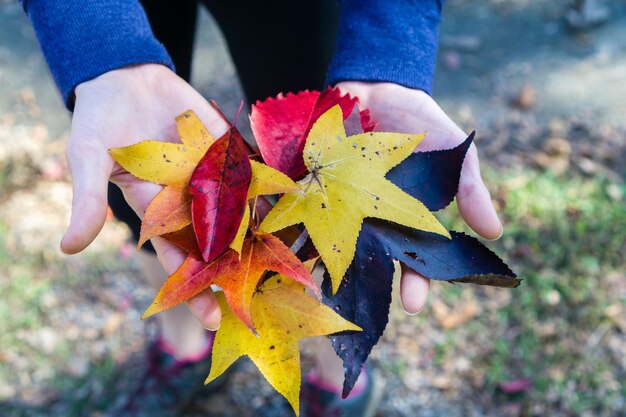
84,39
387,41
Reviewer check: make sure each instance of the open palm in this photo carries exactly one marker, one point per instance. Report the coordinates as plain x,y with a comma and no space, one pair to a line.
117,109
400,109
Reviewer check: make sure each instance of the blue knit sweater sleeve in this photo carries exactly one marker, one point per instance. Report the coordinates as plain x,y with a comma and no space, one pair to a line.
387,41
391,41
83,39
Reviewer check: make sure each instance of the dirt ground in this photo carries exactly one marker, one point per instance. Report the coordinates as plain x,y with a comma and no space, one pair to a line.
545,93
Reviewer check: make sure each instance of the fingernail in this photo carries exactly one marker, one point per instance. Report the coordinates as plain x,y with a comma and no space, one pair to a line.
213,330
207,312
415,313
214,320
500,235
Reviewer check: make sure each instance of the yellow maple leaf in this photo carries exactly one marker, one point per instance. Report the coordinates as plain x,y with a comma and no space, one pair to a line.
265,180
193,134
347,183
167,163
172,164
284,314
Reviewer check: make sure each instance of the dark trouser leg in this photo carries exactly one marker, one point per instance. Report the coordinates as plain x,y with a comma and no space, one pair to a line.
174,24
278,46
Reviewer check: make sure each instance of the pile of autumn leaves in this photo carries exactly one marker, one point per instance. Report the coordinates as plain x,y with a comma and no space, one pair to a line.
330,182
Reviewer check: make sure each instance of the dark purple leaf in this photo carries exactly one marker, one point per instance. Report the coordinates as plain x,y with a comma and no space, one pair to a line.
460,259
363,298
365,292
432,177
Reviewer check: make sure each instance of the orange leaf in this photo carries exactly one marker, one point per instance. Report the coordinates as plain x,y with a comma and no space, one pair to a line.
238,279
168,212
185,239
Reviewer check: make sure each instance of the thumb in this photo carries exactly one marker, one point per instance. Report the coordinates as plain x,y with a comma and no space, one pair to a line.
90,167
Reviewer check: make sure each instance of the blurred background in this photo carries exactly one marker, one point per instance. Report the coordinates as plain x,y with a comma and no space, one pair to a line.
544,85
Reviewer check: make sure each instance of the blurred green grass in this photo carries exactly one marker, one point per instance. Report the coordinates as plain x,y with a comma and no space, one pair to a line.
566,237
32,286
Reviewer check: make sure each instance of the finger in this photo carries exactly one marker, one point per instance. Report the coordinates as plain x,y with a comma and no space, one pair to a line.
138,194
169,255
474,200
90,168
206,309
413,290
203,306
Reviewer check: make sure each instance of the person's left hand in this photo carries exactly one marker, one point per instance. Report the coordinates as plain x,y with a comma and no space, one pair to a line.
400,109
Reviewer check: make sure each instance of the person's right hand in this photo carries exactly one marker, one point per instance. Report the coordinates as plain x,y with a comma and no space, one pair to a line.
116,109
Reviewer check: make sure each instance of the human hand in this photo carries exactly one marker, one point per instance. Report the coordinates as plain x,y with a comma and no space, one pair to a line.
117,109
400,109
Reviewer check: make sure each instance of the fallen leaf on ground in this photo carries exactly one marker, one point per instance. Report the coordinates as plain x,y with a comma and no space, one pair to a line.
464,313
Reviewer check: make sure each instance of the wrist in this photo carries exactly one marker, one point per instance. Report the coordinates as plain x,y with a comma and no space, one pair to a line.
133,76
371,92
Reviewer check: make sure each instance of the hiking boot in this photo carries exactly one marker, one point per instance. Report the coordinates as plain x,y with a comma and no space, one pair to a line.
166,387
322,401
